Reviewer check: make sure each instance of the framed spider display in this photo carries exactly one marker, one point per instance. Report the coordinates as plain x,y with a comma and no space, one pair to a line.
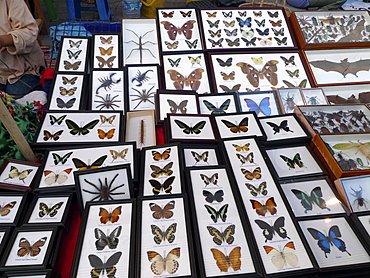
140,127
107,90
106,51
73,54
11,208
140,41
104,184
67,92
290,98
218,104
18,174
142,85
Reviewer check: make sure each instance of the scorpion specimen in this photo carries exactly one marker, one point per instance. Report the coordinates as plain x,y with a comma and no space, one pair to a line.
141,77
105,192
107,82
107,102
140,44
143,96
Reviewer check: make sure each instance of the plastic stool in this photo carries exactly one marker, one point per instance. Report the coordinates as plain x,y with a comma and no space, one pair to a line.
102,7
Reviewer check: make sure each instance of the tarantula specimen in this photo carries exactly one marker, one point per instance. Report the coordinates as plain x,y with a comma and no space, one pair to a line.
104,192
107,102
143,96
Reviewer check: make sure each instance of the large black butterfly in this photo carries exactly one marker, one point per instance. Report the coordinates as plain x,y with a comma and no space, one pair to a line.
77,130
200,157
110,240
307,201
165,186
108,267
269,231
227,63
215,214
197,128
282,126
218,196
296,160
68,104
288,61
217,110
83,166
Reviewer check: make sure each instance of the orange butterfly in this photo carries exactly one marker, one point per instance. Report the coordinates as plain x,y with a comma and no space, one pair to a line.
170,14
107,51
261,209
106,216
230,76
211,14
192,80
256,174
6,209
224,262
106,40
161,156
121,154
109,135
276,23
164,212
26,247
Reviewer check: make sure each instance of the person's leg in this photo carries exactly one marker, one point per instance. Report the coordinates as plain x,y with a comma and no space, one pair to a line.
26,84
326,4
2,87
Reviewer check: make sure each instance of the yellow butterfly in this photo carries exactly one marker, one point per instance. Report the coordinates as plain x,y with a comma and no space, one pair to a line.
258,60
195,60
14,172
107,51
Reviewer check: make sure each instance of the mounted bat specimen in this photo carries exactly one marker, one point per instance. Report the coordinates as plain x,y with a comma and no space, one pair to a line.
363,97
344,67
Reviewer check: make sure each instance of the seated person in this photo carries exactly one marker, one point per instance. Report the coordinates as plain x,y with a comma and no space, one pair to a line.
320,4
21,58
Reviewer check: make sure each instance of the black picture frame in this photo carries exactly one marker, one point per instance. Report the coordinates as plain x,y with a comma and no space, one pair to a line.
197,155
4,237
34,274
215,104
100,42
15,203
264,103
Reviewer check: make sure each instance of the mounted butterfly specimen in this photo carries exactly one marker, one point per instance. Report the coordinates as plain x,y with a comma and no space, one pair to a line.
234,89
332,239
256,174
263,107
265,32
209,180
226,63
119,154
217,214
192,44
184,14
215,34
243,148
107,51
105,119
106,40
251,42
216,43
254,75
275,14
196,129
77,130
227,14
229,24
163,235
80,165
74,44
262,209
185,29
246,22
231,33
108,267
180,81
284,257
217,110
291,162
104,192
245,159
282,41
173,45
224,262
62,104
174,63
220,237
203,157
70,66
52,211
237,128
213,24
26,247
181,107
168,263
255,191
288,61
157,156
6,209
217,196
195,60
73,55
56,178
307,201
111,240
214,14
160,187
58,121
109,134
105,62
276,23
270,230
67,92
231,43
158,171
167,15
50,136
162,213
282,126
109,215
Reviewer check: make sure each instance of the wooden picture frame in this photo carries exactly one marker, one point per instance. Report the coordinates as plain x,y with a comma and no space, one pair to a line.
140,127
289,99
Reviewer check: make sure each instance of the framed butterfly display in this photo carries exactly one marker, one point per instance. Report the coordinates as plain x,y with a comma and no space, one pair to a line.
67,92
222,243
18,175
4,235
218,104
295,161
258,71
313,197
107,92
165,242
30,248
106,240
179,33
200,155
176,102
27,274
239,124
283,128
57,170
103,184
186,72
11,208
142,85
161,174
362,221
246,29
59,128
272,225
187,128
49,210
140,127
140,41
334,243
290,98
263,103
73,54
325,29
106,51
338,66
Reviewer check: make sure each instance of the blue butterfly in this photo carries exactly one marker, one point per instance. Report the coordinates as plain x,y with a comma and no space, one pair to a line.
263,107
246,22
324,242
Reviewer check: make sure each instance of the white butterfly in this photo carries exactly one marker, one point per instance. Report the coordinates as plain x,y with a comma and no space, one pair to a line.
168,263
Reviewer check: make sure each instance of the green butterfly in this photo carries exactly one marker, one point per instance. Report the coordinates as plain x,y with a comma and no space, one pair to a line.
59,120
216,111
192,44
215,214
63,159
73,55
174,63
190,130
76,130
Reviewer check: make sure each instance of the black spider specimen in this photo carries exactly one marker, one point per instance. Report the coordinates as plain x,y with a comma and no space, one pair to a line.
107,102
107,82
106,191
140,44
141,77
144,96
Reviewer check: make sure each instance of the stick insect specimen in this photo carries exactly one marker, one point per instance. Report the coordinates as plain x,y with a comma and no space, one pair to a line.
140,44
104,192
143,96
